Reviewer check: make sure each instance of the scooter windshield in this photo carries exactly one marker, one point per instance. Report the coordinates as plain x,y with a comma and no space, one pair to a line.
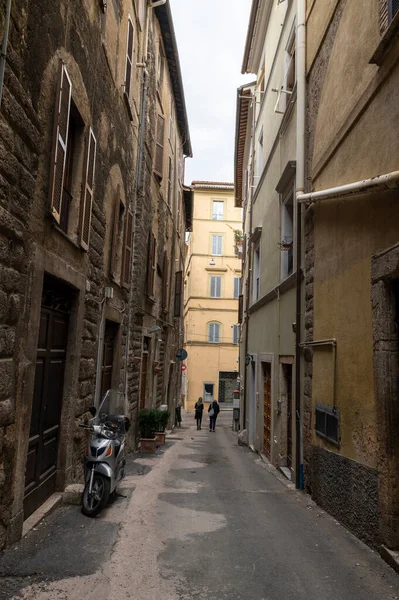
111,411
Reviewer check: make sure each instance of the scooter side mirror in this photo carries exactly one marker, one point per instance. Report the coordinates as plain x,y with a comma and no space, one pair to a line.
93,411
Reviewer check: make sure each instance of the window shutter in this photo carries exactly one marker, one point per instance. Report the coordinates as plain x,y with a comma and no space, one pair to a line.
235,334
212,287
158,167
60,139
165,281
129,57
211,332
115,230
236,287
217,333
178,293
127,249
87,191
151,264
240,308
218,287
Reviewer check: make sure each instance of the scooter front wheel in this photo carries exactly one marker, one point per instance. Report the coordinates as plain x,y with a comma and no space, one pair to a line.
92,504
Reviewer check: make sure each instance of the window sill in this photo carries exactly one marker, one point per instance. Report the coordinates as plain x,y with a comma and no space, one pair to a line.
66,236
327,439
387,42
127,104
151,299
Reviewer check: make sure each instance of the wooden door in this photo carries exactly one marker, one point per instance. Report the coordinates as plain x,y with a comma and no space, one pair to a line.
288,379
41,463
110,334
267,408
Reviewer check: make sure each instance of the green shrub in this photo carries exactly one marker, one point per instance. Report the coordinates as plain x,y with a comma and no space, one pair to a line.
148,423
162,419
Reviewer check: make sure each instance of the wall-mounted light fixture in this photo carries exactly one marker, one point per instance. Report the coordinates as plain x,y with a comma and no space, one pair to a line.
212,262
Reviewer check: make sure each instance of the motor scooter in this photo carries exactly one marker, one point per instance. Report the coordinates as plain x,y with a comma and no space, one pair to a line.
104,461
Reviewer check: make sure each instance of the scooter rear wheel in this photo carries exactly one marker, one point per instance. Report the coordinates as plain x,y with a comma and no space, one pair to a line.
93,504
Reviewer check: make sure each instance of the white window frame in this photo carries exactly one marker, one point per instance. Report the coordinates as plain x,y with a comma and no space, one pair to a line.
237,284
256,273
129,58
287,233
259,157
216,244
214,331
215,286
289,64
217,216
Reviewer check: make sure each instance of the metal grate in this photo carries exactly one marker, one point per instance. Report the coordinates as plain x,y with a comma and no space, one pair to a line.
327,423
394,8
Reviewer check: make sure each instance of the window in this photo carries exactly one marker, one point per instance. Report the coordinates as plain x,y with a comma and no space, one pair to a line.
178,294
326,423
290,70
216,286
393,8
117,237
127,249
171,121
240,308
158,166
160,68
259,157
214,333
217,210
217,241
237,281
236,334
287,245
151,264
165,281
169,190
256,274
129,57
73,149
72,166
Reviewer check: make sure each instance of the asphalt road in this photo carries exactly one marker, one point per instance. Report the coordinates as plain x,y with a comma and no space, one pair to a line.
203,520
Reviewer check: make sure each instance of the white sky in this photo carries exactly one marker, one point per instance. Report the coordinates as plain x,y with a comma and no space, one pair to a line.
210,37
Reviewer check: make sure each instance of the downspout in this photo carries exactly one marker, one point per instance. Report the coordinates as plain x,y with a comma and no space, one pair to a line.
3,55
249,254
300,188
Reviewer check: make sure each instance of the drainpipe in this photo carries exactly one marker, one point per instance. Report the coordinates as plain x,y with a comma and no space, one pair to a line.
389,181
300,188
4,48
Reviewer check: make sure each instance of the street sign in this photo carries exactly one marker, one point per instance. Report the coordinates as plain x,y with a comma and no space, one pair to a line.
183,368
181,354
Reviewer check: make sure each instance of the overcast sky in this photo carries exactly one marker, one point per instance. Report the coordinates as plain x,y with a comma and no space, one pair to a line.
211,36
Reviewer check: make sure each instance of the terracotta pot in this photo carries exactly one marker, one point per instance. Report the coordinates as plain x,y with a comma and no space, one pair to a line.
160,438
148,445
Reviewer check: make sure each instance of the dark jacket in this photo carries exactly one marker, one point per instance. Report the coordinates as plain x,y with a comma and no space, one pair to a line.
216,408
199,409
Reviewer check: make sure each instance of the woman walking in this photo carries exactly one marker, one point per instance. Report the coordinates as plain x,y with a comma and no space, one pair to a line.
199,409
213,412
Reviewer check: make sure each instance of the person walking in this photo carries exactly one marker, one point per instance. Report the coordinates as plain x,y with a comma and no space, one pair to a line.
199,409
213,412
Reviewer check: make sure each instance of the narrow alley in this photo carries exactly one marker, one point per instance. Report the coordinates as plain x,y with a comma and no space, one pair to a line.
205,519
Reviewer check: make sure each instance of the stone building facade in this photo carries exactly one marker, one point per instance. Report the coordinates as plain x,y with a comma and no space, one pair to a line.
350,392
84,180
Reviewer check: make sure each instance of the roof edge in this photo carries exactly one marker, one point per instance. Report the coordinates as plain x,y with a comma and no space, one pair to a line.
250,32
165,19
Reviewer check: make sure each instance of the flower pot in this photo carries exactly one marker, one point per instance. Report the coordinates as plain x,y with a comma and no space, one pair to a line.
148,445
160,438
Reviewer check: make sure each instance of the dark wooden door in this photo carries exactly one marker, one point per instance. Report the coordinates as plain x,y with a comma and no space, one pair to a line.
267,407
288,378
41,463
110,333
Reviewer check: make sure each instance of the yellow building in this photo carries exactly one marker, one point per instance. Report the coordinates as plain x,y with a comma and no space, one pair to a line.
212,289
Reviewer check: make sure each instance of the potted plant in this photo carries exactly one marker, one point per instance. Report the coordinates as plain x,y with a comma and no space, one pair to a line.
162,421
147,426
238,237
